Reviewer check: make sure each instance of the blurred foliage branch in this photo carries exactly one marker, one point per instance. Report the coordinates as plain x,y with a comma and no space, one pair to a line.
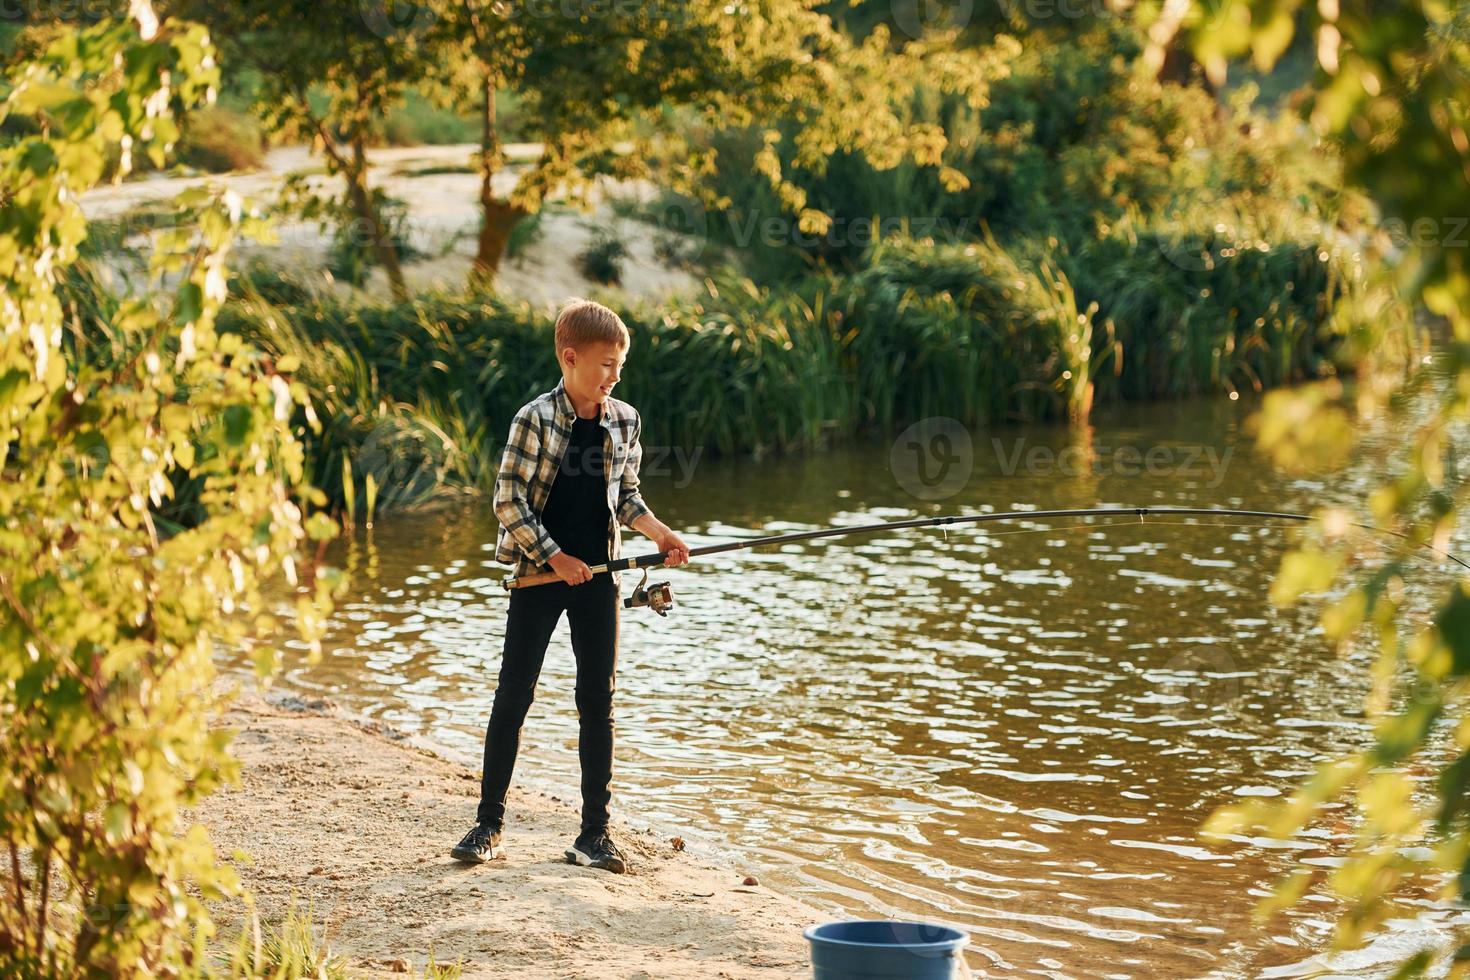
109,616
1392,94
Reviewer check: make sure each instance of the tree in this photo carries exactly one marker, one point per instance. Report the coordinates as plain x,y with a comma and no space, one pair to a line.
1392,90
107,622
328,70
594,74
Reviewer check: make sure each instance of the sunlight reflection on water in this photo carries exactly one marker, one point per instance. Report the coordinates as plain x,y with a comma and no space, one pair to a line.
1016,729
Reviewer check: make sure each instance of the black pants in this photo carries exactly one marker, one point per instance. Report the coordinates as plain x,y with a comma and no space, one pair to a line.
592,611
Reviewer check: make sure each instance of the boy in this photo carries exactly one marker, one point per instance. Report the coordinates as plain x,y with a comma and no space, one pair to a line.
568,479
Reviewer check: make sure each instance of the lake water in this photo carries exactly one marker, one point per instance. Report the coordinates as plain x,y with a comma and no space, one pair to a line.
1016,728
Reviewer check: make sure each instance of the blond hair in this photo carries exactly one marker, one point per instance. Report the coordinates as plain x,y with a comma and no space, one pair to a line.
585,322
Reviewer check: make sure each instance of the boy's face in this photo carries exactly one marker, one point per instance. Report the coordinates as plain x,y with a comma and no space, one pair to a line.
591,370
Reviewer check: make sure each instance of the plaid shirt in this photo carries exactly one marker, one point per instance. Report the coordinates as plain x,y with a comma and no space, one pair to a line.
539,435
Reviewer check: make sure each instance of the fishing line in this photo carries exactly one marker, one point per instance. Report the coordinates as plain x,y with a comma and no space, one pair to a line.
660,597
1066,528
1365,532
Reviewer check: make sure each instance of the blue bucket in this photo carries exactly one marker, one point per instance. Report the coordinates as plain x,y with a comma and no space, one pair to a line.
886,949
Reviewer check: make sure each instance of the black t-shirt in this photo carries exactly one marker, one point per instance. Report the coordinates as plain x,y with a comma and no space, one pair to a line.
576,513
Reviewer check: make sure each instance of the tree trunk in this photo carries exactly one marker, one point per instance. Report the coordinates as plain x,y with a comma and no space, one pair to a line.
383,247
497,218
1181,68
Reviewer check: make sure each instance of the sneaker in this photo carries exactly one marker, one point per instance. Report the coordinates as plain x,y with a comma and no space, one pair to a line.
595,849
481,844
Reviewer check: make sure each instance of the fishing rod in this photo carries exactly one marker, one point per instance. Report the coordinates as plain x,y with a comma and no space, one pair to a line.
660,597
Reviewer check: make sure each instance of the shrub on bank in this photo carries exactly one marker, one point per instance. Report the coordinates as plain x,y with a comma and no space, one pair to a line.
217,140
420,394
1073,139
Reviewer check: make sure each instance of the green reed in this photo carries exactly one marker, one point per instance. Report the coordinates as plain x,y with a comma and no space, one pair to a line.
418,395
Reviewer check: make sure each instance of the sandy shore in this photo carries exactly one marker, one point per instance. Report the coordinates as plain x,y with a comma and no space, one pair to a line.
359,824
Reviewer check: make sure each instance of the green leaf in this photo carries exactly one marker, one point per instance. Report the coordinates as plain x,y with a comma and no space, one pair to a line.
117,823
320,527
1453,624
41,96
1271,40
93,447
267,661
1415,965
1401,735
1454,792
190,302
1303,572
30,684
38,157
239,420
10,382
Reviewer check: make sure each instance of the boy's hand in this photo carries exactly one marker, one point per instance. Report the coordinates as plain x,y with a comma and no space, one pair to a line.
675,551
571,570
678,551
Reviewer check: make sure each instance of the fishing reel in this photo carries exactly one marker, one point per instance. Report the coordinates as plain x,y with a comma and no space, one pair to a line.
659,596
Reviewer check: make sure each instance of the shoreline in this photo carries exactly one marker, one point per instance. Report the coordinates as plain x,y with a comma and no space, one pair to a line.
345,818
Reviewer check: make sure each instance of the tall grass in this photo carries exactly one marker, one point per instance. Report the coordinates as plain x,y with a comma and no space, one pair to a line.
1218,305
419,395
411,401
385,415
289,951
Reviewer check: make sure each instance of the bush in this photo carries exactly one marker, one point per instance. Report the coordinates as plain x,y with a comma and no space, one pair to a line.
1206,304
218,140
976,331
352,255
110,616
602,260
419,433
1073,140
213,139
418,121
983,333
524,234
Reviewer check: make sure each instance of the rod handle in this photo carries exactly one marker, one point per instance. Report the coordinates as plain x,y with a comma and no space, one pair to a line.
622,564
539,578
